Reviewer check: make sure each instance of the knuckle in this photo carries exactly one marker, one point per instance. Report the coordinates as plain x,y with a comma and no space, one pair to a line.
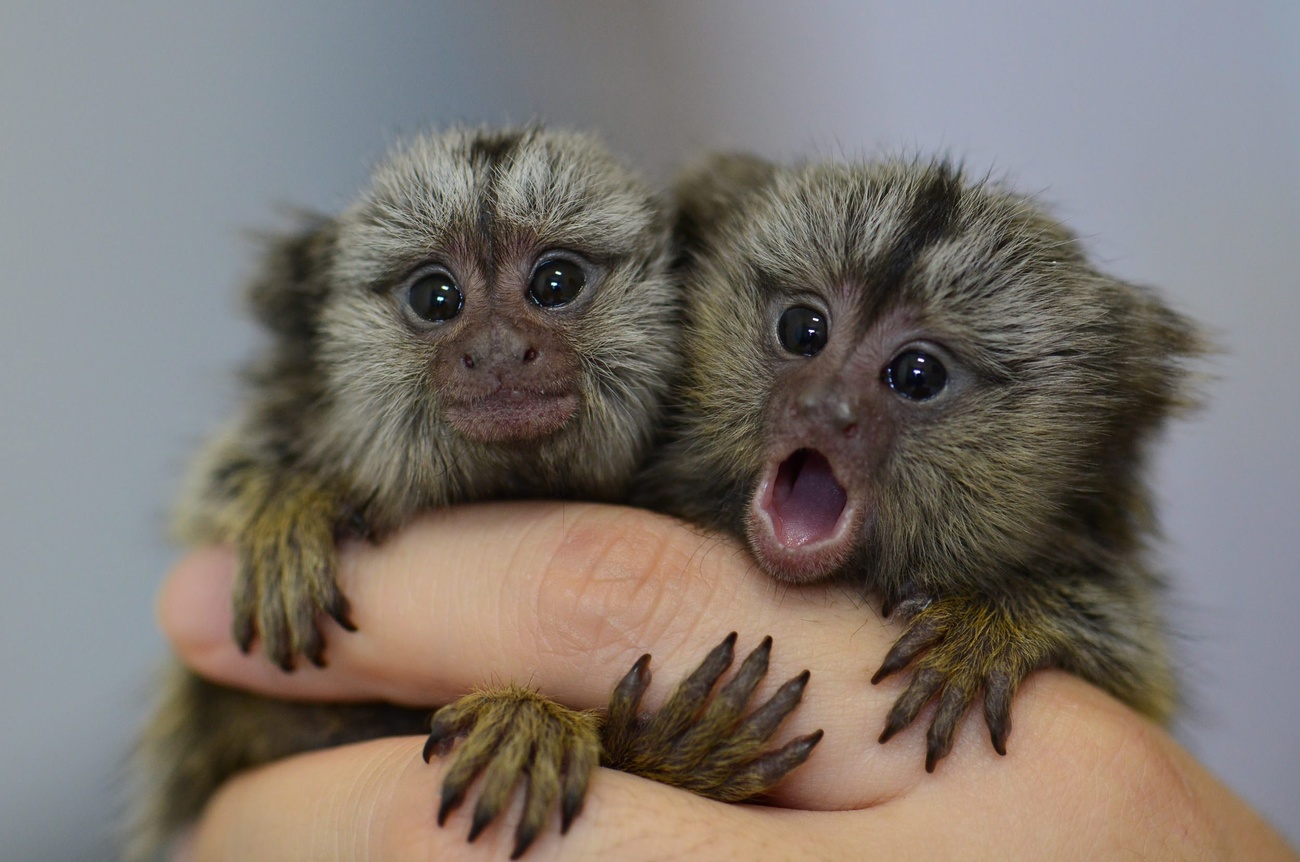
617,579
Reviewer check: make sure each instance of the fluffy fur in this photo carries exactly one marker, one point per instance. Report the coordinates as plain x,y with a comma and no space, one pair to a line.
361,414
1007,518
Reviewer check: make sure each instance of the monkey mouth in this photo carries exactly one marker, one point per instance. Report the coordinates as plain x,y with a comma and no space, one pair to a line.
801,520
511,415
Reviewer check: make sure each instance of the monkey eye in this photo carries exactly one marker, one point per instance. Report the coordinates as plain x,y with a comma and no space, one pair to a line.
916,375
435,297
803,330
556,282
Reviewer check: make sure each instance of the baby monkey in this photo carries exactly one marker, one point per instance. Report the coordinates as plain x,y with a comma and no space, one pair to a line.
492,318
917,384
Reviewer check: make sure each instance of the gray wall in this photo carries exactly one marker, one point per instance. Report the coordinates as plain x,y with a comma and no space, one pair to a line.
135,144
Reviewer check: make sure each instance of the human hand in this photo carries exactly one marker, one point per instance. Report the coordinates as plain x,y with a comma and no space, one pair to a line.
565,597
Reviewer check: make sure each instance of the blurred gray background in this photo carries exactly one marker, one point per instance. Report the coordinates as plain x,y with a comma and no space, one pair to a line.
136,141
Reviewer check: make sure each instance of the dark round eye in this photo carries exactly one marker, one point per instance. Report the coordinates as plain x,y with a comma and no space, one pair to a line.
435,297
803,330
556,282
916,375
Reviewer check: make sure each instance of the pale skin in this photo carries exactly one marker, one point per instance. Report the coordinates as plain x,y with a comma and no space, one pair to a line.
565,597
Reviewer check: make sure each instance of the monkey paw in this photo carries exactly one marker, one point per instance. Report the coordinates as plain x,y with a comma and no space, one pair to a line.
710,747
285,582
513,735
968,645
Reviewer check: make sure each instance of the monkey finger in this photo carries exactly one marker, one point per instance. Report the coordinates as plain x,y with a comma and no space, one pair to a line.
273,625
953,703
763,722
621,717
245,602
765,772
579,764
450,721
726,710
670,720
704,747
738,765
541,788
339,610
305,637
499,780
466,763
999,689
714,764
919,636
909,705
736,693
479,752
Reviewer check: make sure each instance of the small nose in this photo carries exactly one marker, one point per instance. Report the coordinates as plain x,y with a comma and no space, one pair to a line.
503,347
831,407
843,416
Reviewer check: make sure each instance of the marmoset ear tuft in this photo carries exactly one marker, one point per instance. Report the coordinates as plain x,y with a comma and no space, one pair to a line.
288,288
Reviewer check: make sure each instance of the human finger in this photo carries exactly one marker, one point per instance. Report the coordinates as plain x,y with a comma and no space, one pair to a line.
565,598
377,800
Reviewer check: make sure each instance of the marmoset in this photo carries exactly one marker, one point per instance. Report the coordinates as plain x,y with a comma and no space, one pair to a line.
492,318
919,385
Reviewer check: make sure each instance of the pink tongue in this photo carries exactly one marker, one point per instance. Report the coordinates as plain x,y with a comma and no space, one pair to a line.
806,499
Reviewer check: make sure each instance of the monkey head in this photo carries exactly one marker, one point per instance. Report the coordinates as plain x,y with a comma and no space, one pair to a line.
897,374
492,316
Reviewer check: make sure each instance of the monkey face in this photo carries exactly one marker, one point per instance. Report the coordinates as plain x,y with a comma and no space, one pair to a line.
496,308
901,373
504,369
839,404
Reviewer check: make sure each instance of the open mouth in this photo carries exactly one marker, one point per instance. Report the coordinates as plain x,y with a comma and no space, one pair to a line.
806,500
801,520
512,415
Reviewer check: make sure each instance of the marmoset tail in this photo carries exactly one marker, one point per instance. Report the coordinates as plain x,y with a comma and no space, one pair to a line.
493,317
918,384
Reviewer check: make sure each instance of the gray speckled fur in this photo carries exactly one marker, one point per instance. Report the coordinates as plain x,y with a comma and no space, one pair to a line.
343,402
1021,494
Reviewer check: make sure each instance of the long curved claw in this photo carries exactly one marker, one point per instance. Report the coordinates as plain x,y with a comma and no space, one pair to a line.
244,625
467,762
541,788
689,697
514,737
711,746
620,723
285,583
998,693
919,637
579,764
767,771
909,705
449,722
726,710
953,704
970,643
